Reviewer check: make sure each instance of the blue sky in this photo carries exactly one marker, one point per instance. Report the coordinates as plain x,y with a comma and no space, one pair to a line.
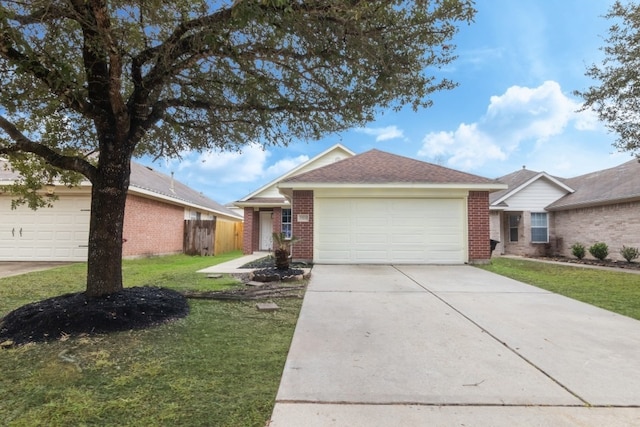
518,66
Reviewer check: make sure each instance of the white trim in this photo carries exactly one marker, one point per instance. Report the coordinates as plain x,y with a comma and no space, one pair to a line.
416,185
531,227
294,170
531,181
285,204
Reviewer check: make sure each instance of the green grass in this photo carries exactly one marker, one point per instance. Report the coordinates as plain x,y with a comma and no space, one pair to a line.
614,291
219,366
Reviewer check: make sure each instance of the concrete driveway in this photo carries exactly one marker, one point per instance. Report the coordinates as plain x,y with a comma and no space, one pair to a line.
14,268
454,346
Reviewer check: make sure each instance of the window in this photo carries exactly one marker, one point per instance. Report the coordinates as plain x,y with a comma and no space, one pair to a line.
539,227
286,223
514,220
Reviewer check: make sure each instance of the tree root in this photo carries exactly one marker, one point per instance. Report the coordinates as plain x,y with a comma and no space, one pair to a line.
248,294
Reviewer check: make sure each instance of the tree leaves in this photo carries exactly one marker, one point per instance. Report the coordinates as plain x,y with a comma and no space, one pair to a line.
616,99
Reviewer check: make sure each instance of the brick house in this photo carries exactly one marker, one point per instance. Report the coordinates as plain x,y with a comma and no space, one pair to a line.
539,214
378,208
155,212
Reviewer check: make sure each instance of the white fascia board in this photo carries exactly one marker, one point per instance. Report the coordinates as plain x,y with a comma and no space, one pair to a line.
179,202
250,204
531,181
451,186
294,170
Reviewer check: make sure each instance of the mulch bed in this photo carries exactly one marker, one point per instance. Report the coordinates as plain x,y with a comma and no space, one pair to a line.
272,274
595,262
76,315
269,261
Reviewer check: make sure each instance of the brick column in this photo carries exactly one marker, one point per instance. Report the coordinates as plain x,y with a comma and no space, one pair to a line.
247,233
302,205
277,220
478,211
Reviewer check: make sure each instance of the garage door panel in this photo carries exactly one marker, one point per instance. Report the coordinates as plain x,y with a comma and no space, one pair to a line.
59,233
407,239
390,230
369,257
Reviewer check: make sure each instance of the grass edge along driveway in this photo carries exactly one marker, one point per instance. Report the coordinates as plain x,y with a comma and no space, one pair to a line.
615,291
221,365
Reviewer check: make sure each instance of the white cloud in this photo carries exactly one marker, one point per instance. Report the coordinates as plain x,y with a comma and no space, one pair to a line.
244,166
284,165
383,134
519,116
249,165
467,147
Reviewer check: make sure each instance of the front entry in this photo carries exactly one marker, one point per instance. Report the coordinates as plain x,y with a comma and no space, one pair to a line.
266,230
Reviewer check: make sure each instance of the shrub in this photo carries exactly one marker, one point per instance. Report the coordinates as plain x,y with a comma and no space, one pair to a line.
599,250
629,253
578,250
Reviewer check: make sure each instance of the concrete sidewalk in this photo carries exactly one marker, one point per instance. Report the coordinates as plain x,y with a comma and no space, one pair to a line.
454,345
234,265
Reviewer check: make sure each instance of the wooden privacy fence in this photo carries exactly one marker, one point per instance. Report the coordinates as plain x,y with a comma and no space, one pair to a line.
198,236
211,237
228,237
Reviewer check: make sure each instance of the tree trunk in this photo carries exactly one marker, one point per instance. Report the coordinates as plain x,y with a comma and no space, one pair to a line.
108,197
282,259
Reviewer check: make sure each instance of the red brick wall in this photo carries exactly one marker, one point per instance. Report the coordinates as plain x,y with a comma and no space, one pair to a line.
248,230
152,227
277,220
302,204
478,211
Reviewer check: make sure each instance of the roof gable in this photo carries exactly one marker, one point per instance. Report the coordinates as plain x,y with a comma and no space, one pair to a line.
379,167
523,179
269,192
617,184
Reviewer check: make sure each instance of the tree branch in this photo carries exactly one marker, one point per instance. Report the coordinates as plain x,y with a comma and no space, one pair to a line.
25,145
51,78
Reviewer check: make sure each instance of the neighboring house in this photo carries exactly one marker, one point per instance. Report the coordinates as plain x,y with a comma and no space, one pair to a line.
544,215
155,213
375,208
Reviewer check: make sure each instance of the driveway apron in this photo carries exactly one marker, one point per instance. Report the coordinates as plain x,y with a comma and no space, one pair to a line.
454,345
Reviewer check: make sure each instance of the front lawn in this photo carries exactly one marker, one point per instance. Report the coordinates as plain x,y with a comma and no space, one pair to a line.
614,291
221,365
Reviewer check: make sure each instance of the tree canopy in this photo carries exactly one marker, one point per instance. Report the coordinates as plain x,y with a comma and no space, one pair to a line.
616,97
87,84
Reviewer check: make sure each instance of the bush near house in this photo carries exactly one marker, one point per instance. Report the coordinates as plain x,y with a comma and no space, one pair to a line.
599,250
629,253
578,250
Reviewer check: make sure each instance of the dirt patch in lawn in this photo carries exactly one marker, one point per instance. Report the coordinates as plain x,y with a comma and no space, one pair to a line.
76,314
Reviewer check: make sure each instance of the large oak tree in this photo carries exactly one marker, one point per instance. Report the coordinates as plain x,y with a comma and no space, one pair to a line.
85,85
616,97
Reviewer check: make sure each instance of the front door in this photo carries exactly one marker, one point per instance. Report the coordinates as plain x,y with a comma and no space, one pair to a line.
266,230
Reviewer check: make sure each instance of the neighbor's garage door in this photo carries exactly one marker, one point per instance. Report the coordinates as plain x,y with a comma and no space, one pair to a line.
402,231
59,233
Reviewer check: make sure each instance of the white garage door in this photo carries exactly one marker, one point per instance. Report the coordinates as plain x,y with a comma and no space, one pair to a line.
59,233
383,231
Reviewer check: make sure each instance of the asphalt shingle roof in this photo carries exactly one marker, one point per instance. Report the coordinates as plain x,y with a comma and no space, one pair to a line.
145,178
605,186
379,167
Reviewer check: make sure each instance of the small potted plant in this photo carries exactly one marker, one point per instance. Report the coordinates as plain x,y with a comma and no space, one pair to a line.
283,249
